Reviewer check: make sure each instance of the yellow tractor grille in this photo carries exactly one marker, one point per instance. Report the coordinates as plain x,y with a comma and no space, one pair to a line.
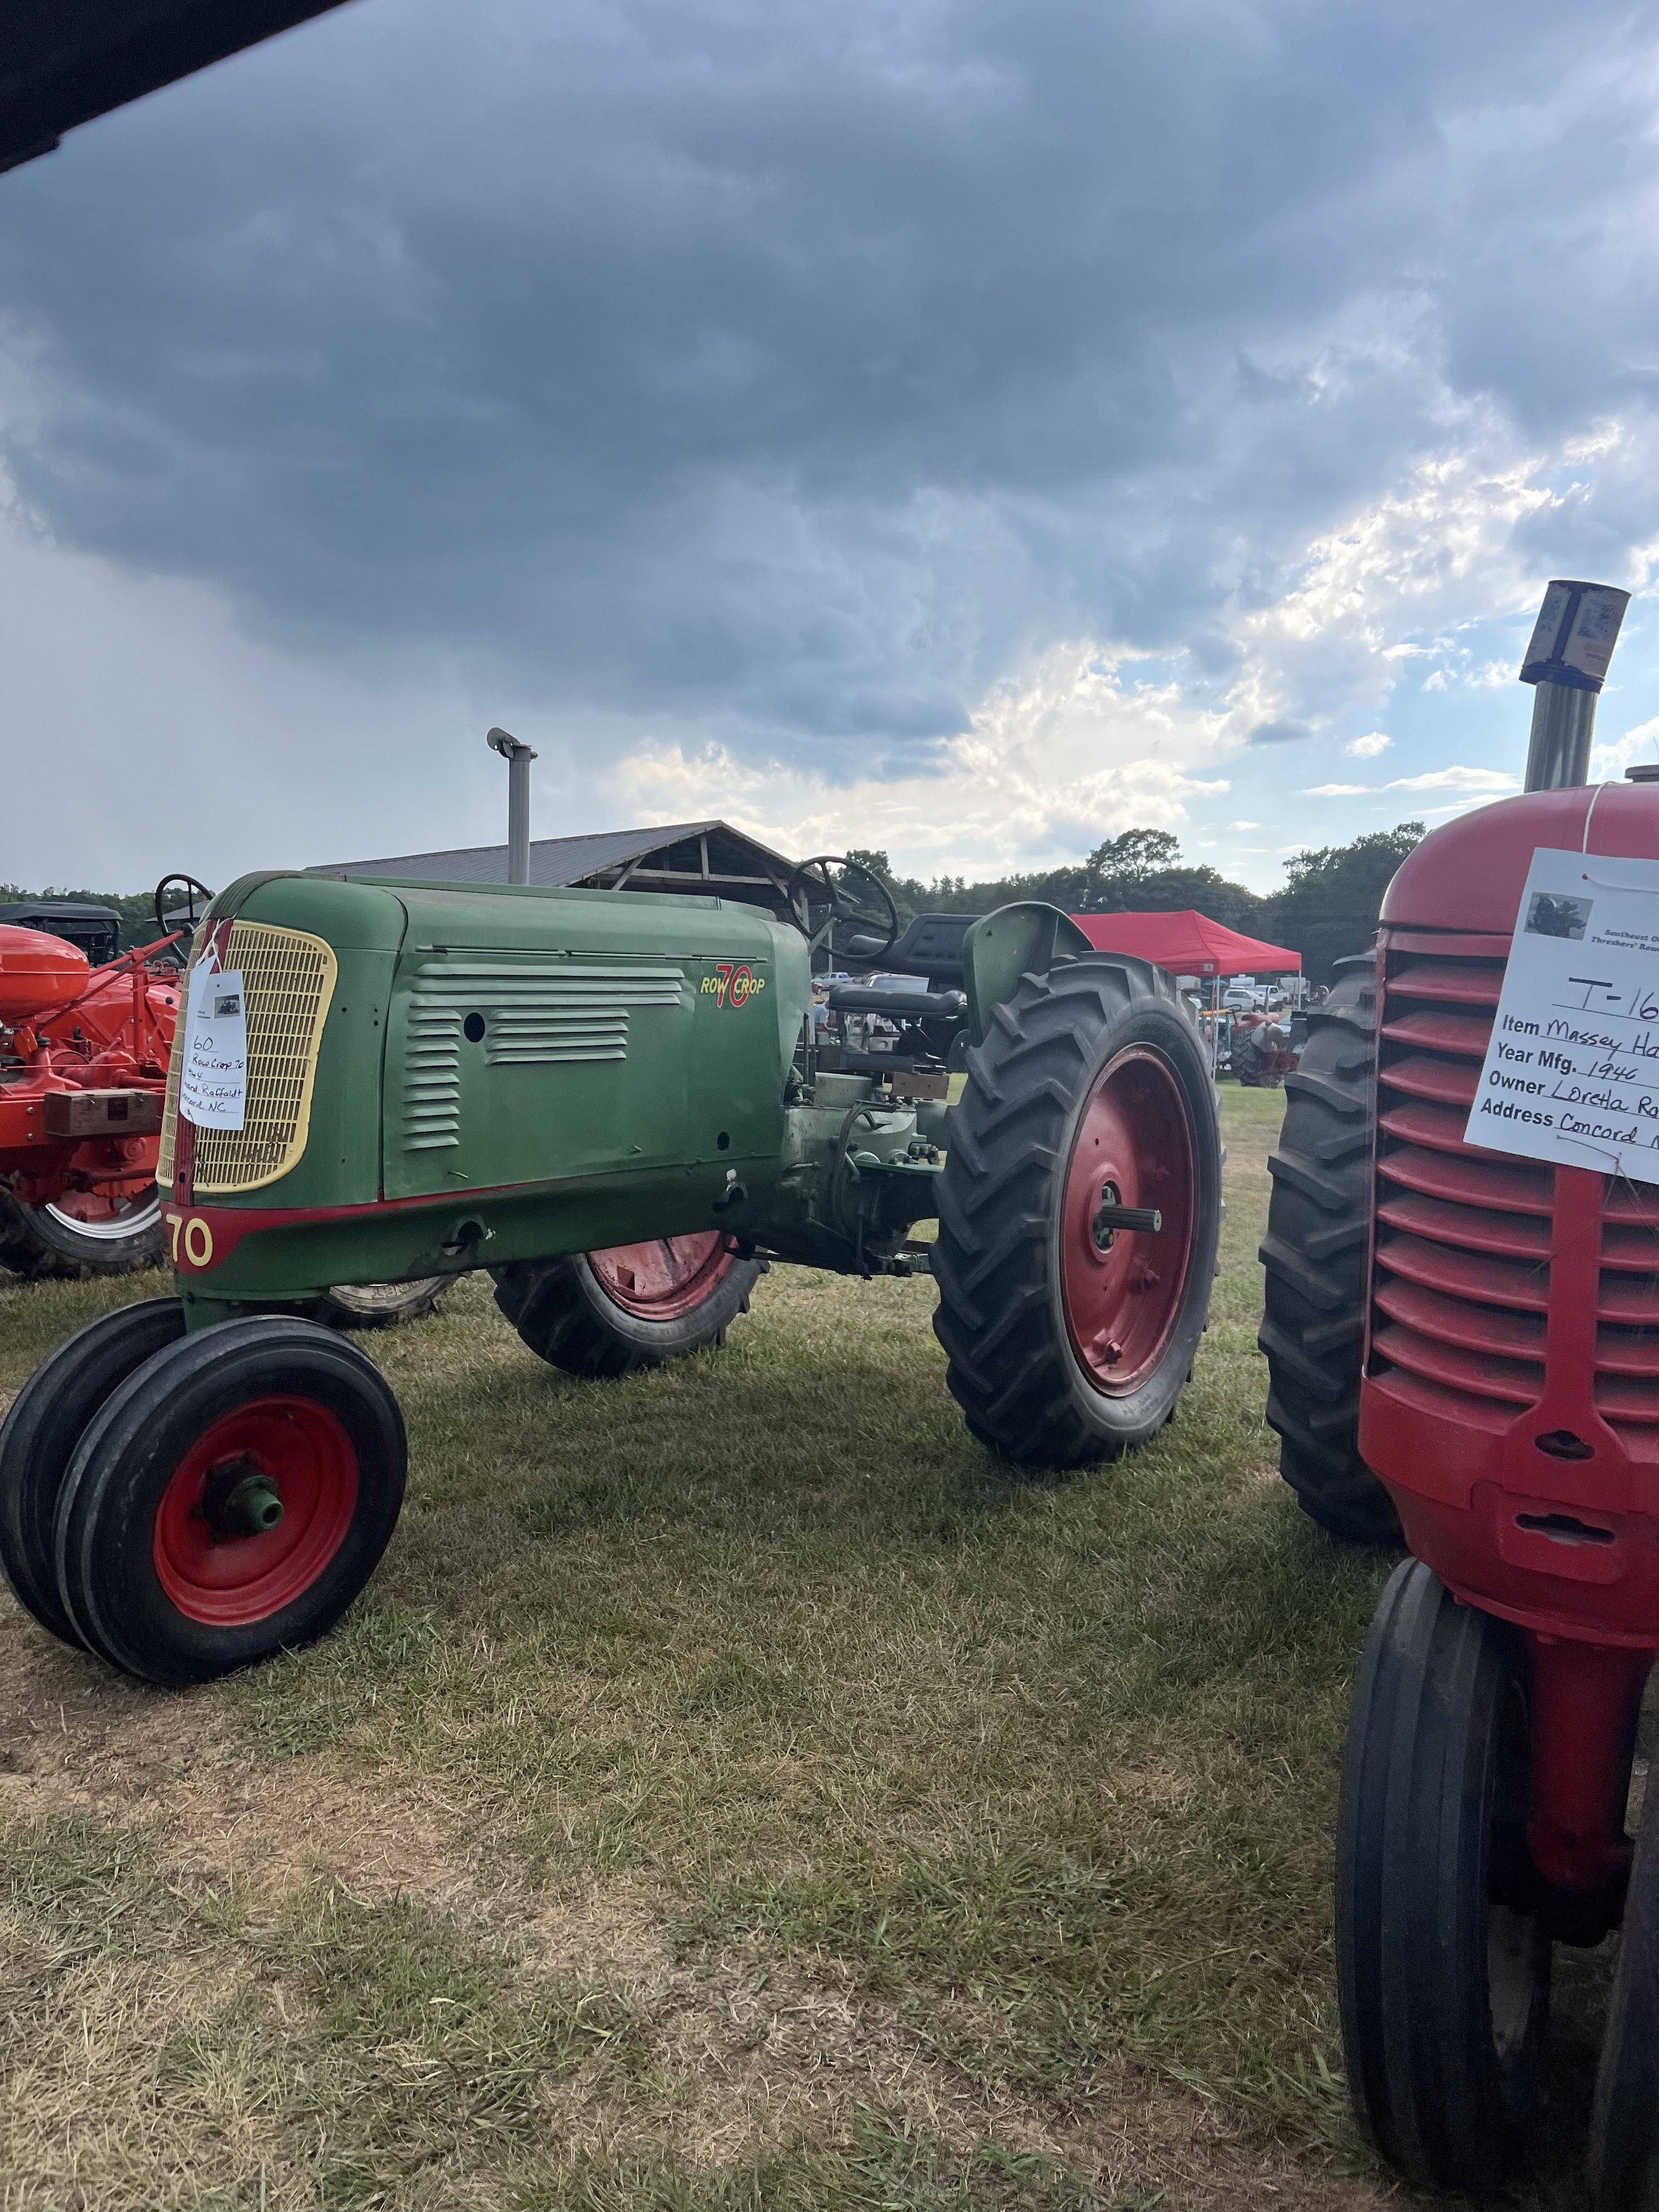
288,981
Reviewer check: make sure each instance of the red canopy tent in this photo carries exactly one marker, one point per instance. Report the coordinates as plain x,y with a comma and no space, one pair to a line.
1187,943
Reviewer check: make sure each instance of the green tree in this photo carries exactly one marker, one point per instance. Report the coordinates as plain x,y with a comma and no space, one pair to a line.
1330,907
136,908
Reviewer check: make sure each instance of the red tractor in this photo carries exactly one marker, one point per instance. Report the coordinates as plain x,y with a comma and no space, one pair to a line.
84,1051
1464,1347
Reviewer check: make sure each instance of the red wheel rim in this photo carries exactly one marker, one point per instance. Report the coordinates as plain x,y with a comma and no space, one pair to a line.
227,1580
667,1279
1123,1289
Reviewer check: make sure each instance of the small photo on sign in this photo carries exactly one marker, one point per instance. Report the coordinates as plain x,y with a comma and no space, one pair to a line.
230,1002
1554,914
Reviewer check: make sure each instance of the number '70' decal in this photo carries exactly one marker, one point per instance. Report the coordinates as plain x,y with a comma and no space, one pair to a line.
732,986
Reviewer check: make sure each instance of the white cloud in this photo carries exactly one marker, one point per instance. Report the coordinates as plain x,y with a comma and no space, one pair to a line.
1492,781
1367,748
1477,782
1608,762
1072,752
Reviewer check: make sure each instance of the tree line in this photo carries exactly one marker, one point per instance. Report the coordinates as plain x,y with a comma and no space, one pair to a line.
1328,908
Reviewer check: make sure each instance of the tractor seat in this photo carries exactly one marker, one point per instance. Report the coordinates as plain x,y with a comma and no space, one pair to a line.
897,1006
931,946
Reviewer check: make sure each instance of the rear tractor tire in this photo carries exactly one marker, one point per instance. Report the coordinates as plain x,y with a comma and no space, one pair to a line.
380,1305
1315,1251
229,1500
81,1236
1070,1333
606,1314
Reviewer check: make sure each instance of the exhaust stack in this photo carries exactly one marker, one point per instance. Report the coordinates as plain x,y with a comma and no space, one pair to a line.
518,757
1572,642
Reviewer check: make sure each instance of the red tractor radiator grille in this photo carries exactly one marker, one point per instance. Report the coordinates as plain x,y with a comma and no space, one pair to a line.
1459,1287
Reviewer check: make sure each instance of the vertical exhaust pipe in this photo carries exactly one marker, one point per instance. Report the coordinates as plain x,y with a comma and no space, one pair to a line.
1572,643
518,759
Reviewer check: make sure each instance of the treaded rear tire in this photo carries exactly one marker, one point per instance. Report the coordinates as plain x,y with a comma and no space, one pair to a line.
39,1246
1318,1234
561,1312
1001,1316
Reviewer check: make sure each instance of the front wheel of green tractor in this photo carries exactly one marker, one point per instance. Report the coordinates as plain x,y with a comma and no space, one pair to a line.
1079,1214
610,1313
229,1500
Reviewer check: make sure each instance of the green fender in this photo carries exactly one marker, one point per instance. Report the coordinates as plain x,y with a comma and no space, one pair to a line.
1026,939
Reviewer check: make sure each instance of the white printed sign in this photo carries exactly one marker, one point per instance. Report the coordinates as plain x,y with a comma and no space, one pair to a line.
213,1079
1571,1075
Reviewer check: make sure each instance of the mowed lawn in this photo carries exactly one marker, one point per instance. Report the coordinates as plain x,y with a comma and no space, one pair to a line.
734,1790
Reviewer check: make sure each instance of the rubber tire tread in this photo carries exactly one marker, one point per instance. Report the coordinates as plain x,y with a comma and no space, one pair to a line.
1011,1368
561,1311
42,1432
1428,2088
1623,2159
106,1514
34,1246
1315,1255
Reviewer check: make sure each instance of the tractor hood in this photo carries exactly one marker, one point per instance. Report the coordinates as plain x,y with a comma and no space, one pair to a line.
1470,874
422,1049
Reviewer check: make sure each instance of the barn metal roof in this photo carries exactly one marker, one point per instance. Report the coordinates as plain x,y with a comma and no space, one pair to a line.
684,856
62,62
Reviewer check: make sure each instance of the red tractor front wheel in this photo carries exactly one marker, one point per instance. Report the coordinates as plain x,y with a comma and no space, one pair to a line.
1624,2141
1443,1952
610,1313
229,1500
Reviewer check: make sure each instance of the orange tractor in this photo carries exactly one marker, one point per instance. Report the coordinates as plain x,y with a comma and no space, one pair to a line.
84,1051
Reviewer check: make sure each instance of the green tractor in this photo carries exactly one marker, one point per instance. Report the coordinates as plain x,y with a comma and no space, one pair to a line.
621,1106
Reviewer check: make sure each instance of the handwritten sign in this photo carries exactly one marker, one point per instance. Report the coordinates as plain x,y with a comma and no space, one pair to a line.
1571,1075
213,1079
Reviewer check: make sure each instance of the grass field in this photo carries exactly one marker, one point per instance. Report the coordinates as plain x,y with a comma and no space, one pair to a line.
735,1790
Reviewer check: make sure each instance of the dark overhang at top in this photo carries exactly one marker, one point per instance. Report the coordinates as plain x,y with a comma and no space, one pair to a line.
63,62
707,857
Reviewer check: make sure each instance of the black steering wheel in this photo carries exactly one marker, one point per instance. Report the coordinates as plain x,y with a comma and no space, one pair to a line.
850,916
191,888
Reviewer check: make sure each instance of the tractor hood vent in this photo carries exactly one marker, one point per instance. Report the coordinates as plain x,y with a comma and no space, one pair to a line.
540,1016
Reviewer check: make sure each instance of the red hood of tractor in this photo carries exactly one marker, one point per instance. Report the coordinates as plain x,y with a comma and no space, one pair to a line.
1469,875
38,975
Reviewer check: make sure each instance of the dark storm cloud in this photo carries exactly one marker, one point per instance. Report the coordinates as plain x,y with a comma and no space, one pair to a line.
796,367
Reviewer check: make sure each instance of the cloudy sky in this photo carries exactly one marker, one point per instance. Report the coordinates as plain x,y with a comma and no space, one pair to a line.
971,427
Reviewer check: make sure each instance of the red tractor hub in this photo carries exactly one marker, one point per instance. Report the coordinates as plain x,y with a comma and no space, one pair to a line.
666,1278
1127,1214
256,1511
